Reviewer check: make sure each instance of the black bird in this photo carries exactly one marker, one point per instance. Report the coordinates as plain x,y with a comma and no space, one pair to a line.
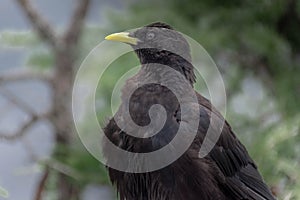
226,173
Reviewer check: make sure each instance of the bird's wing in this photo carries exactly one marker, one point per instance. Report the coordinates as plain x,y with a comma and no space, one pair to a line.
240,174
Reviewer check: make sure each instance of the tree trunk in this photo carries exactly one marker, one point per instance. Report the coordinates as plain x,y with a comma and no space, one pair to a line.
62,119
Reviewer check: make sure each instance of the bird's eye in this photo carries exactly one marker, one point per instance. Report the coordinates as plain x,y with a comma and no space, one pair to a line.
150,36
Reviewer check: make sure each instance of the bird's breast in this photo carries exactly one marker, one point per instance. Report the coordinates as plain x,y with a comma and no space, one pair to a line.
139,104
145,97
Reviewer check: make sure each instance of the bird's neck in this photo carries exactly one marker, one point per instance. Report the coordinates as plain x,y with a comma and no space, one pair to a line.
165,58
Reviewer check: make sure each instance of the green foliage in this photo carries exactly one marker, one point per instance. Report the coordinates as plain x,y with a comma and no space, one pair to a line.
17,39
40,59
3,192
51,186
91,170
83,167
91,36
108,81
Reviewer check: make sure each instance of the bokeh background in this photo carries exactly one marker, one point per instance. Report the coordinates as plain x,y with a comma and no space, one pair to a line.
255,44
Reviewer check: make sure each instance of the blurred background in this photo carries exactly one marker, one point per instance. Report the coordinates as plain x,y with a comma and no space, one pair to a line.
255,44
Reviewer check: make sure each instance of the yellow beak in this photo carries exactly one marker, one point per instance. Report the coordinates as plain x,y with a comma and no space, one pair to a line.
122,37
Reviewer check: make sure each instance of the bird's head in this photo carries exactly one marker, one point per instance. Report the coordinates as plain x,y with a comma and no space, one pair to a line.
159,43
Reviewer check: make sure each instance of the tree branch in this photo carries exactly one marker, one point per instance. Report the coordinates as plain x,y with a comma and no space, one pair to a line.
43,28
17,101
41,185
24,75
24,128
74,29
27,109
61,168
21,132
